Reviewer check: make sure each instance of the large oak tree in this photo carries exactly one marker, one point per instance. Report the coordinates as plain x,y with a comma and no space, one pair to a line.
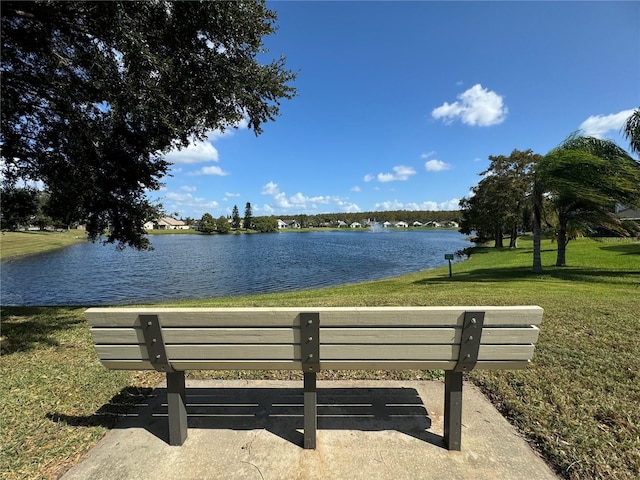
501,201
94,93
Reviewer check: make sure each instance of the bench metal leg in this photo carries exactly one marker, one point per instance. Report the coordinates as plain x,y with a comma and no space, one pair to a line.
177,407
310,410
452,410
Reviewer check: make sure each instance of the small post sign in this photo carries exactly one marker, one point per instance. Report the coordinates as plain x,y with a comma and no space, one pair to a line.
449,256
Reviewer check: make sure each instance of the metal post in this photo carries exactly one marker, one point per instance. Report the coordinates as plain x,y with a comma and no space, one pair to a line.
177,408
449,256
310,353
452,410
310,410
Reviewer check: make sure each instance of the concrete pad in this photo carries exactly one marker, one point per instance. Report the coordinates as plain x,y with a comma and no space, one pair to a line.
366,430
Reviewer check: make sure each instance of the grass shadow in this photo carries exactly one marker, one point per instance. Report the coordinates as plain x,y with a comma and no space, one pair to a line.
510,274
30,328
108,414
624,249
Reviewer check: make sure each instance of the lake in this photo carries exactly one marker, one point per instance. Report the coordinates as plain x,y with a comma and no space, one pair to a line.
185,267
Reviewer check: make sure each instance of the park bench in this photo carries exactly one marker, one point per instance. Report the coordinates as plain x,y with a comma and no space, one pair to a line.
453,339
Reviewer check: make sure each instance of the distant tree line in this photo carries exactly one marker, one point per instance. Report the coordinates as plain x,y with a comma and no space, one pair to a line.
23,207
225,224
393,216
266,224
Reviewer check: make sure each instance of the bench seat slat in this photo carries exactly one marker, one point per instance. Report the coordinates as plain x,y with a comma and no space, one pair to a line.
297,366
327,352
331,316
523,335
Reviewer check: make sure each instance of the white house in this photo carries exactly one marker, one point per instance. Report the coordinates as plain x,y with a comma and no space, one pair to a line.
402,224
356,225
166,223
288,224
386,224
417,224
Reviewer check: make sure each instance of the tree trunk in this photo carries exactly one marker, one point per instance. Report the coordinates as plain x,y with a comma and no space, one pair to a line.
537,230
561,259
513,241
498,236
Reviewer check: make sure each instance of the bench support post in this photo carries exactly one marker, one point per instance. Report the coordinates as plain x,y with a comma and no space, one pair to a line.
452,410
310,410
177,408
310,352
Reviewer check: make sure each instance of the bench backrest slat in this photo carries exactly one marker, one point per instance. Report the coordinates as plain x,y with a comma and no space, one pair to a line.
331,316
350,337
401,336
327,352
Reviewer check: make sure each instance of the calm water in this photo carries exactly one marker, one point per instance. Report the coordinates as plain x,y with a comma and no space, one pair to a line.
195,266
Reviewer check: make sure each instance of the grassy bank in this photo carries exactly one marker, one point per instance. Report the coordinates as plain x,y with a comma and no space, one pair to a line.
577,403
16,244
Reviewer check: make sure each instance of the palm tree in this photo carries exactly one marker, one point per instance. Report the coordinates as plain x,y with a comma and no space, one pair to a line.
584,178
631,130
537,196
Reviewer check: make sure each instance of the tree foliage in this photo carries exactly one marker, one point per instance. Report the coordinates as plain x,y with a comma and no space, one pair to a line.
94,93
584,178
265,224
248,216
235,218
222,225
631,131
18,208
500,203
207,223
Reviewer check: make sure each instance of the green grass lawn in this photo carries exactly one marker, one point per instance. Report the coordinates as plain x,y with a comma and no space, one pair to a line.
15,244
578,403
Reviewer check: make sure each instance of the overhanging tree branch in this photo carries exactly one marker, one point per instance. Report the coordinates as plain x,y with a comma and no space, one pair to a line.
94,93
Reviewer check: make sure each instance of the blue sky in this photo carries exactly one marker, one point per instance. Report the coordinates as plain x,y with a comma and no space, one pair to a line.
400,103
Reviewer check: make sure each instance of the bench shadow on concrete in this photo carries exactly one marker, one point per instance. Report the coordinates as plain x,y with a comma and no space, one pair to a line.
280,411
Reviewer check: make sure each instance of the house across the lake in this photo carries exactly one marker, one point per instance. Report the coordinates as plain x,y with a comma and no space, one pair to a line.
166,223
288,224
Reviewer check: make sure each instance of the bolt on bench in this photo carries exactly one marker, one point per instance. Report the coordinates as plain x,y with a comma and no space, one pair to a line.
453,339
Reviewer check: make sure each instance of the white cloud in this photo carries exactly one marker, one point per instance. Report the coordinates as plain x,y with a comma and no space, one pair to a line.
201,151
270,189
428,154
300,202
268,210
368,177
196,152
400,173
187,188
228,195
452,204
356,189
390,205
598,125
214,135
436,166
209,170
475,106
348,207
185,202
